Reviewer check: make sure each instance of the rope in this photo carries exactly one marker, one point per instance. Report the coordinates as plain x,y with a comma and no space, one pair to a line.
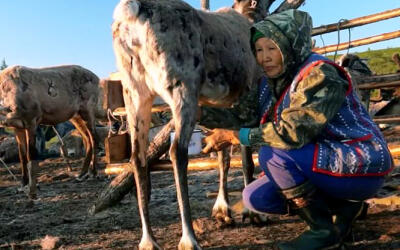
323,43
348,49
64,154
338,32
5,165
58,135
110,118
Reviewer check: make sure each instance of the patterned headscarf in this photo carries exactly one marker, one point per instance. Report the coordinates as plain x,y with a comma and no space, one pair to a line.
291,31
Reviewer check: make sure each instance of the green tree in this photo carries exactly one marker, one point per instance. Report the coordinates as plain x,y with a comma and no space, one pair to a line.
3,64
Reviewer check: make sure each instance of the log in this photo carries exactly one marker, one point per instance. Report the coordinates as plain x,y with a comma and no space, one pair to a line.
394,150
359,42
120,111
195,164
115,192
355,22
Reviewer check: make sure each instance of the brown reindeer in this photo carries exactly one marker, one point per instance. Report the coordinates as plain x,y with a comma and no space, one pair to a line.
188,57
29,97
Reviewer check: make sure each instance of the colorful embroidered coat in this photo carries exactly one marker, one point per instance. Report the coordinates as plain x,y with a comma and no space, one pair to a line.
350,144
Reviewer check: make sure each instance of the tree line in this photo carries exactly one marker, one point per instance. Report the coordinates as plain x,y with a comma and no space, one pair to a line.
3,64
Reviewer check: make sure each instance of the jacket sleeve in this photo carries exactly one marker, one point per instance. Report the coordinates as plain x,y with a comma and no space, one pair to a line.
315,101
242,114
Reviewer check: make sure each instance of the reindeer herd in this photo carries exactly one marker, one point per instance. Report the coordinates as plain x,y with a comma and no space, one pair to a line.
209,62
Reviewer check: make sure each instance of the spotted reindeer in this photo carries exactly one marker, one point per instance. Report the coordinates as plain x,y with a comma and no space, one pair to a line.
189,58
29,97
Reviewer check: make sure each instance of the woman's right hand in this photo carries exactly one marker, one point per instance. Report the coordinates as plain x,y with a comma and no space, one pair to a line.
218,139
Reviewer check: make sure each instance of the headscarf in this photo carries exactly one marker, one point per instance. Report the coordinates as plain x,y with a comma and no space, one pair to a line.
291,31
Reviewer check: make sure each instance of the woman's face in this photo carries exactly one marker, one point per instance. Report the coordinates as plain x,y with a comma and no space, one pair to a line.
269,56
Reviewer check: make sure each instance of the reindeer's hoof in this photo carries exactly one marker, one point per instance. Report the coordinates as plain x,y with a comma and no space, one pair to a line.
223,217
188,243
82,177
255,218
148,243
30,191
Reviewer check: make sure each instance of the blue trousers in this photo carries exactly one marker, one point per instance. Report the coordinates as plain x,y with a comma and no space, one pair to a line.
286,169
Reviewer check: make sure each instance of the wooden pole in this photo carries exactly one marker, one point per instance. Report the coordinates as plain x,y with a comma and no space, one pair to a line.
194,164
379,85
359,42
379,81
378,78
387,119
356,22
205,4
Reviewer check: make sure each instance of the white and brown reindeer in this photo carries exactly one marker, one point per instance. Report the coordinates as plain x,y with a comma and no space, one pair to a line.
188,58
29,97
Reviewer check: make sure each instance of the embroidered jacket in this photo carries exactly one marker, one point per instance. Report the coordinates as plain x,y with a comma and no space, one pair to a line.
350,143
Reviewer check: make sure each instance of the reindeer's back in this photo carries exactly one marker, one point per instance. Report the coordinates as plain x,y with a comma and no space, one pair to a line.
57,92
166,43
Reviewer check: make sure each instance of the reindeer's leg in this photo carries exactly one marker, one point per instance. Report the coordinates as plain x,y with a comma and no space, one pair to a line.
79,124
138,109
221,209
248,164
184,106
90,127
22,151
32,157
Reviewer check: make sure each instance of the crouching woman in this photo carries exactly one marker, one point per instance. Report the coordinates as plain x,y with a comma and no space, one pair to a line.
321,152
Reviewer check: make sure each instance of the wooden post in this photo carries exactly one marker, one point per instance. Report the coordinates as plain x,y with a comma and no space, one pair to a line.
359,42
205,4
356,22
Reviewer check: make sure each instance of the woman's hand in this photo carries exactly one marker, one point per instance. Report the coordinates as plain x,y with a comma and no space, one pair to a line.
218,139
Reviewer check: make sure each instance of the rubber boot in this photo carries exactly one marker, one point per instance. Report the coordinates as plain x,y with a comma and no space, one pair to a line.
322,233
345,213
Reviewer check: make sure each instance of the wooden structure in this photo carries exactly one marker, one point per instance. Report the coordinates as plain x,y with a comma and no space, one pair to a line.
370,82
347,24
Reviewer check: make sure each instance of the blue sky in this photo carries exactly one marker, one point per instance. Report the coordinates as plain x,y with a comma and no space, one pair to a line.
52,32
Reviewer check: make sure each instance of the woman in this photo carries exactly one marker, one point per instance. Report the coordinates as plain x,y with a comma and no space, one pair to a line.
321,153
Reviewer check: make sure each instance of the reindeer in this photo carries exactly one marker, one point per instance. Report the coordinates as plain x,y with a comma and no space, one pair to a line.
29,97
189,58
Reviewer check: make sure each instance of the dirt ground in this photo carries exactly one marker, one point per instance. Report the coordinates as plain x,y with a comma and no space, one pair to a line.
60,216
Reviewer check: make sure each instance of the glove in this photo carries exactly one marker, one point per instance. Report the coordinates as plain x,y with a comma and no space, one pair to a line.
218,139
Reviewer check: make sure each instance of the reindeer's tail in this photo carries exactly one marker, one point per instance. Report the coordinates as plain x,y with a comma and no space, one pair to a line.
126,10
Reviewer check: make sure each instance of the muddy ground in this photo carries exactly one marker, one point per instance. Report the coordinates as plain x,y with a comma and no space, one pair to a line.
61,212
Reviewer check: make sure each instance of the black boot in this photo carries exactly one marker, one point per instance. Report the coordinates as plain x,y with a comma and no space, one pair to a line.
322,233
345,213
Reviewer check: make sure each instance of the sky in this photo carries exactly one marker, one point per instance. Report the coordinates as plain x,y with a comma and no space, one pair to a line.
44,33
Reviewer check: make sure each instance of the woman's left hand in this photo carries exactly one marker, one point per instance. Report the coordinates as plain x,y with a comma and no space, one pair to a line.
218,139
